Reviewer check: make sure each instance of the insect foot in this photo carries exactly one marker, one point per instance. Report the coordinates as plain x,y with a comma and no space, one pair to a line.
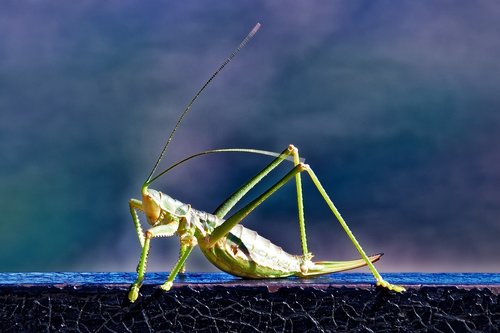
393,287
166,286
134,293
306,262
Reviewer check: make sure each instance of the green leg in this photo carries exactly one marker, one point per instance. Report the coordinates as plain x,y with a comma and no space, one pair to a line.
376,274
136,205
233,199
229,224
182,249
158,231
229,203
300,204
226,227
141,270
185,251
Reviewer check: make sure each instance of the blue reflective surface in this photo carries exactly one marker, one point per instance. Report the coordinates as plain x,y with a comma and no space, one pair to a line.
223,278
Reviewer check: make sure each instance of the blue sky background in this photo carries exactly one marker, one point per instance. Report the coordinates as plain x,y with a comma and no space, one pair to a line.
395,105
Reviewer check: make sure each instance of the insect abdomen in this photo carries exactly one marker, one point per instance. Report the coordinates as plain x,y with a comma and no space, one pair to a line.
245,253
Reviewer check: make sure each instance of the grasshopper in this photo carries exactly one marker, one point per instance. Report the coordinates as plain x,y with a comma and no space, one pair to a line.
224,241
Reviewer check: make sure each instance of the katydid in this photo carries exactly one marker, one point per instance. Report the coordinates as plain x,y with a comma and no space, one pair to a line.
224,241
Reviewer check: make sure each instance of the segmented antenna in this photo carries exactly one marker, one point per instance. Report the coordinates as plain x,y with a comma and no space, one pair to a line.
223,150
188,107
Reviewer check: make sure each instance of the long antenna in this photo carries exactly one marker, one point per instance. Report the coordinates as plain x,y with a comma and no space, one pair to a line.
188,107
223,150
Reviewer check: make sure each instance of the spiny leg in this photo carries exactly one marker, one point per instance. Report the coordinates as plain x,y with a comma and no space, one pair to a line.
223,229
231,222
380,281
226,227
300,203
141,269
136,205
234,198
187,239
184,253
158,231
182,249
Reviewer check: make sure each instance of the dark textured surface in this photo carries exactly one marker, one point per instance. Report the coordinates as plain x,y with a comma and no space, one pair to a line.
244,307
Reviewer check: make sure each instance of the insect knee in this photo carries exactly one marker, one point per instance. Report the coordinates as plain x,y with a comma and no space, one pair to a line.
188,240
304,167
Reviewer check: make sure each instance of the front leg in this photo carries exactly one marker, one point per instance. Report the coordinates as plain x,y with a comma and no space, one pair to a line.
158,231
141,269
136,205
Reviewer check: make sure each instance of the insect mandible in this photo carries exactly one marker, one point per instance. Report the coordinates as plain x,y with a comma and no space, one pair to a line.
224,241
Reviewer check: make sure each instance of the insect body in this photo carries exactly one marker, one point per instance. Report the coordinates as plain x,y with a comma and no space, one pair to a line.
227,244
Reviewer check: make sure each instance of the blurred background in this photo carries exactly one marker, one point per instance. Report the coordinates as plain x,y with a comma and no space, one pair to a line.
395,105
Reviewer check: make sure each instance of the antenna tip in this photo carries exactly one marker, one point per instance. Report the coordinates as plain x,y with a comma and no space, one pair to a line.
255,29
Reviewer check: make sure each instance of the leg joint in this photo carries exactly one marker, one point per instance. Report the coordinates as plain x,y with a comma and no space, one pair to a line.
303,167
188,240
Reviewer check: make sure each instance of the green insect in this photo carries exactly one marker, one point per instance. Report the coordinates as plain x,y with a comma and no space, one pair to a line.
224,241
